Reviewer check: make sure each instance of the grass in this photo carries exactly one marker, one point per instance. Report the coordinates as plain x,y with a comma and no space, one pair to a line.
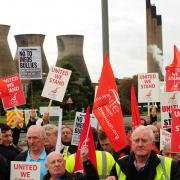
2,119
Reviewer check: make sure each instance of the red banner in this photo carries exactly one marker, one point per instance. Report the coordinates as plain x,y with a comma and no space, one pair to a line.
3,89
16,94
136,121
86,139
107,109
175,131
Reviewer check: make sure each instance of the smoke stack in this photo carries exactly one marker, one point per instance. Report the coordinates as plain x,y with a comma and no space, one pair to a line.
6,60
70,48
29,40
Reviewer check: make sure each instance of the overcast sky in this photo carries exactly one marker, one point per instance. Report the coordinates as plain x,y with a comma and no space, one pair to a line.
127,29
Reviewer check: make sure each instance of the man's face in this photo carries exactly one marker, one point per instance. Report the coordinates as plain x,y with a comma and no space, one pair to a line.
55,164
50,140
7,138
106,145
33,114
35,142
66,135
141,143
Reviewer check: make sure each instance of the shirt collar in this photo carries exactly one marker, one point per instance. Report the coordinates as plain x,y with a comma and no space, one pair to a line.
41,157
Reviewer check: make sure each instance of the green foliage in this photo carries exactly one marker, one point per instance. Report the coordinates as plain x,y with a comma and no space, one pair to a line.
124,90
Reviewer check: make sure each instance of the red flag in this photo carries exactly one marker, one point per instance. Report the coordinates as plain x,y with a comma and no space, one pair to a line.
136,121
107,108
86,139
173,73
3,89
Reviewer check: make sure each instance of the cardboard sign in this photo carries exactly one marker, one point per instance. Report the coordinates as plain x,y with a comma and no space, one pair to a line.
78,124
16,94
25,170
173,80
169,101
175,143
56,83
165,138
30,62
148,87
53,110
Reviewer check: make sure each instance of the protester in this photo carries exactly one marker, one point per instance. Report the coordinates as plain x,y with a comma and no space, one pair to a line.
166,151
156,147
153,115
55,165
51,132
66,137
7,138
44,120
36,151
32,120
143,163
104,160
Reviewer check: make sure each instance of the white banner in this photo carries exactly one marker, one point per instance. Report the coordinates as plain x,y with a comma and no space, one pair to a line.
25,170
169,101
148,87
165,138
56,83
30,62
78,124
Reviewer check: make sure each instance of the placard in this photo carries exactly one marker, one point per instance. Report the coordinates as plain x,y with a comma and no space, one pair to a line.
169,101
148,87
16,95
175,140
25,170
165,138
30,62
78,124
56,83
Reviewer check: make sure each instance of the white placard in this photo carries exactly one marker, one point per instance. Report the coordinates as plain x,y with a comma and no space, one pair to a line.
56,83
30,62
53,110
165,138
25,170
148,87
78,124
162,86
169,100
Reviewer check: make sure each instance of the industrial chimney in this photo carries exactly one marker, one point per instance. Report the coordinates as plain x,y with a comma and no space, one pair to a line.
7,66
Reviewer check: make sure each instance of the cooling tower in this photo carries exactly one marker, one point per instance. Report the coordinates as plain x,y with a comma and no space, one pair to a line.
32,40
70,48
7,66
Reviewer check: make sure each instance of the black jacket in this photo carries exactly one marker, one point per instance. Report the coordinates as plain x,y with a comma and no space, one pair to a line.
91,174
4,168
148,173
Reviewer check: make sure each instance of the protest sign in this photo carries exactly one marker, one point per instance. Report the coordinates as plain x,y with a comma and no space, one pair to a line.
11,117
25,170
56,83
78,124
16,94
30,62
169,101
148,87
162,86
175,143
165,138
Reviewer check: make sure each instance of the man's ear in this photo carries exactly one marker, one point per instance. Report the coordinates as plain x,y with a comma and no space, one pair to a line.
46,166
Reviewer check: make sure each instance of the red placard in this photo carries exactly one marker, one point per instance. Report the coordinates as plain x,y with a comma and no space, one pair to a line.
175,136
16,94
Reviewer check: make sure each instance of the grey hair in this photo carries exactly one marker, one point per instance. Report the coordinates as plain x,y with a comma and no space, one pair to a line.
0,134
143,128
53,128
41,132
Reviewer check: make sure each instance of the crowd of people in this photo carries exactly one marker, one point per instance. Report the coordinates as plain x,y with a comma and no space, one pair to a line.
141,159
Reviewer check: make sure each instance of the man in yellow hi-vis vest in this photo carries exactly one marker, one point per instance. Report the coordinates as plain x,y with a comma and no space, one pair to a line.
143,163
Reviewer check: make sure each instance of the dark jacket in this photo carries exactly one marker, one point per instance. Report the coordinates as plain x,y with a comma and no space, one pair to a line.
91,174
4,168
149,171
